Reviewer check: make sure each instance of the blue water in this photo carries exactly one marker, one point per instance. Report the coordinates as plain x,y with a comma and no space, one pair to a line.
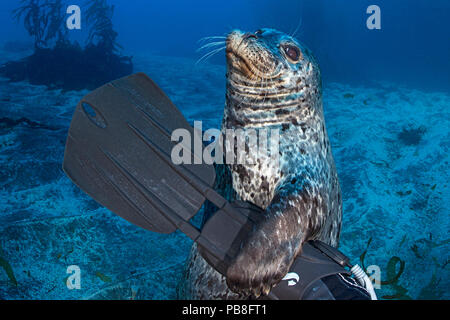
387,110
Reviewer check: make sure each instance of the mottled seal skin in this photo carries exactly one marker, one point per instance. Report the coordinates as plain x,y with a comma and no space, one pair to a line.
273,82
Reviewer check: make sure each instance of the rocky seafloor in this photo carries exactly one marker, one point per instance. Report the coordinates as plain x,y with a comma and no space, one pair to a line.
391,147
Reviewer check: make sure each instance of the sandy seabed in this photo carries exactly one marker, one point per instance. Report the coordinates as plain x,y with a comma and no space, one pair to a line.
391,147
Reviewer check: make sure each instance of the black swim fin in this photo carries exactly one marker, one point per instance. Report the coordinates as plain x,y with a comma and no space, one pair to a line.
118,151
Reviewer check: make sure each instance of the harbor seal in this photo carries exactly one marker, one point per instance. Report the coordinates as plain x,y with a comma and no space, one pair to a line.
273,81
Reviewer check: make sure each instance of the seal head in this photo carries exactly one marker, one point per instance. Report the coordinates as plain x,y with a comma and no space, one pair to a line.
269,75
273,82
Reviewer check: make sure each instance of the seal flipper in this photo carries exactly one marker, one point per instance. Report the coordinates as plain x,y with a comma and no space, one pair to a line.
270,250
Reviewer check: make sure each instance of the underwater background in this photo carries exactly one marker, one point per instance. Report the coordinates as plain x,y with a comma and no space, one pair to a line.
387,110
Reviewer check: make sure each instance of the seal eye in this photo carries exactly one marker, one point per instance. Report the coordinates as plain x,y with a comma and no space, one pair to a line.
292,52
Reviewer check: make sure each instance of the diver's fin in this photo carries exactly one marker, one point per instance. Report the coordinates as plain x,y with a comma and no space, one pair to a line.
118,151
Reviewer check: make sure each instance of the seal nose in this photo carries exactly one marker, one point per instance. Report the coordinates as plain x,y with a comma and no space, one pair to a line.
249,35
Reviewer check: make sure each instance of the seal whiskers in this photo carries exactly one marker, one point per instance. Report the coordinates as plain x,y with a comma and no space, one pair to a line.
211,44
211,37
210,54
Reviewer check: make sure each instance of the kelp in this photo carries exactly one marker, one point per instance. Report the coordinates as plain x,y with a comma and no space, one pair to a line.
424,245
33,19
8,269
392,274
56,27
415,249
5,265
43,20
363,255
99,17
59,63
102,277
396,267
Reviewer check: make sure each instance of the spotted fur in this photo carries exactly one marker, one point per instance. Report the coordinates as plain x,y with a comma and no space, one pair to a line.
300,194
